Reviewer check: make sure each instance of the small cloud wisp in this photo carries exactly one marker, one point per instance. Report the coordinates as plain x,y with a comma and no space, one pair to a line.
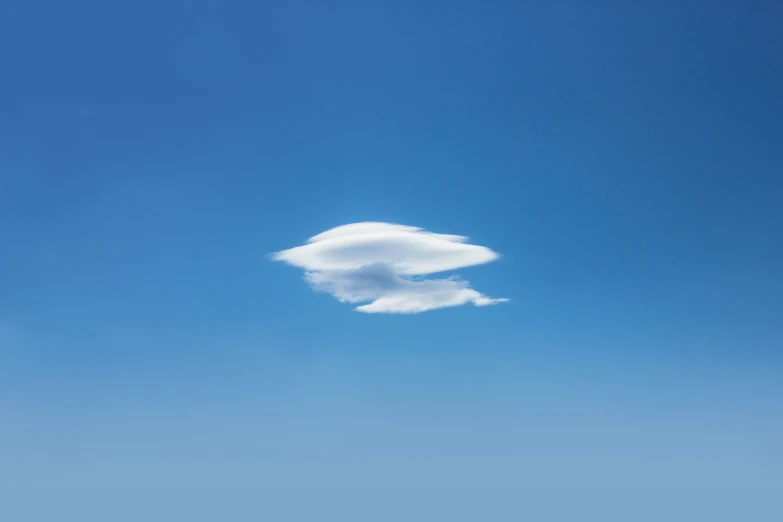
382,264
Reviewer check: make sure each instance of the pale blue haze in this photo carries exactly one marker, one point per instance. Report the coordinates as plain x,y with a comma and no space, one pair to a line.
625,158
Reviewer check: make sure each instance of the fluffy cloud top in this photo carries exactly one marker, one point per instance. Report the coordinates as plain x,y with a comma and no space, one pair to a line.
383,263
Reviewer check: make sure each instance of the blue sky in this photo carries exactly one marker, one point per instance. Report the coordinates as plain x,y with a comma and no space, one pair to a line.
624,160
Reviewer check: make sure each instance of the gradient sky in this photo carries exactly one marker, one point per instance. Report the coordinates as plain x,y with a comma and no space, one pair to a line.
625,158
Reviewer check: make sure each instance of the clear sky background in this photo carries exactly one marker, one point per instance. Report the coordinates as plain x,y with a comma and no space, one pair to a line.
625,158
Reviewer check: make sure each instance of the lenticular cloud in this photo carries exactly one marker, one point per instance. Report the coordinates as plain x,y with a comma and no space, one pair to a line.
382,264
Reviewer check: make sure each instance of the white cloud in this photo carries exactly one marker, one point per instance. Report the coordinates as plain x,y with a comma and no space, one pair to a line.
383,263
